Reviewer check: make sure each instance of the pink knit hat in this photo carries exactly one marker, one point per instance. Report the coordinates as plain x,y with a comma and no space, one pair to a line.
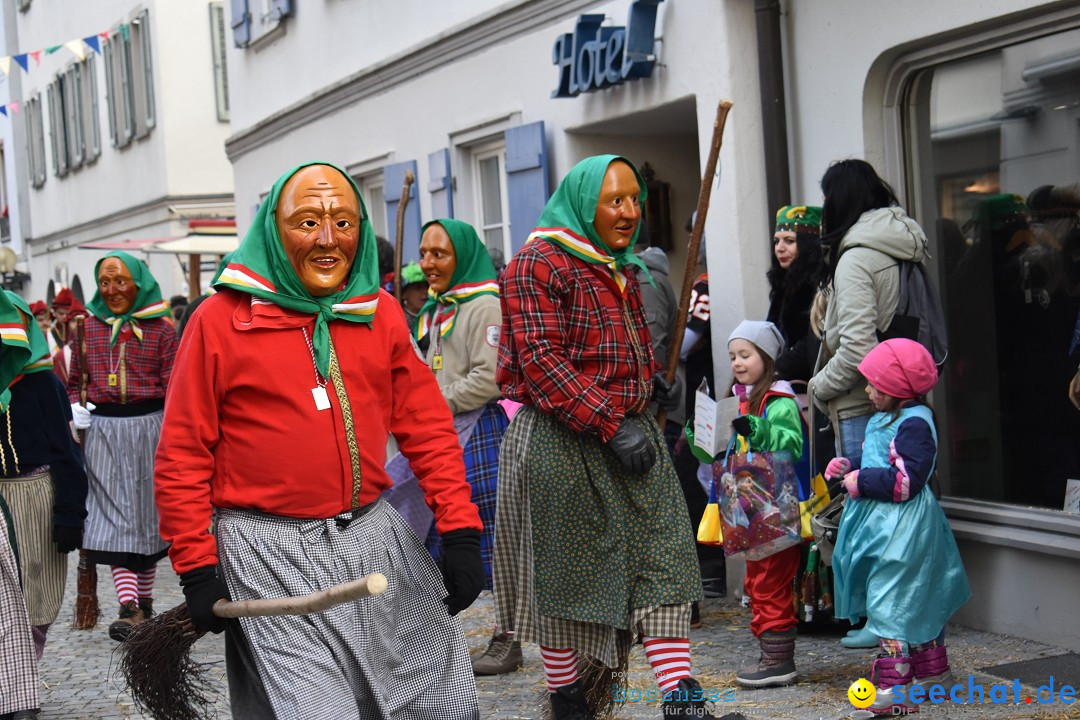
901,368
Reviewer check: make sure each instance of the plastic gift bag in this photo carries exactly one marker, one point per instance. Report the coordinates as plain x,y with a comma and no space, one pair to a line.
759,503
709,532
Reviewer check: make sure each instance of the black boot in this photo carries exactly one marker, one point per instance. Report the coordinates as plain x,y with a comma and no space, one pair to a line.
147,607
568,703
687,700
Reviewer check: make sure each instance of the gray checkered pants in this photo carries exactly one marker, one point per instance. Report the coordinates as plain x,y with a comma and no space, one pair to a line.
398,655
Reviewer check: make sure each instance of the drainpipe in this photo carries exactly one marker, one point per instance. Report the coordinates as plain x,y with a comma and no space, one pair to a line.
773,110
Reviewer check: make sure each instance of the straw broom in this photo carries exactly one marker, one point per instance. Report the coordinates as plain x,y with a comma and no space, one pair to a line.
155,659
704,193
399,238
86,602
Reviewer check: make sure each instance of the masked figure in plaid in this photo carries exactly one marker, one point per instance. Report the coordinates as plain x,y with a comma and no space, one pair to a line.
41,479
18,668
289,380
460,325
130,349
593,546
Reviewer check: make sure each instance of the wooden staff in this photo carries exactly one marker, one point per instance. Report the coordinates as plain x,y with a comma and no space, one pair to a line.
704,193
155,659
86,602
399,241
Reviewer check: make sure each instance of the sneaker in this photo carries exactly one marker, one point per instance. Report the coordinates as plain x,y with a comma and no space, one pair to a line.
503,655
130,616
776,665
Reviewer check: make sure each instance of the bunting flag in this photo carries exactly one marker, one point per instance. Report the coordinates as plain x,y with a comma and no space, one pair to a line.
14,105
3,110
77,47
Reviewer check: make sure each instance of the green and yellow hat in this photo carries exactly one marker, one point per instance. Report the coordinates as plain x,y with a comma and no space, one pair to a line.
799,218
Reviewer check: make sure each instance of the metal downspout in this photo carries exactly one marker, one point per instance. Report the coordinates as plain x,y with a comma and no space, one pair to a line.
773,108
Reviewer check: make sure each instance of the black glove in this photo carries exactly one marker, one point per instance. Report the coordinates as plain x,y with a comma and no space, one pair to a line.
202,588
631,445
462,568
67,538
743,425
666,394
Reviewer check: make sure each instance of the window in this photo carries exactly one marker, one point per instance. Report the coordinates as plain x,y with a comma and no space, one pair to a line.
492,213
253,20
129,81
993,151
217,46
73,122
371,189
35,140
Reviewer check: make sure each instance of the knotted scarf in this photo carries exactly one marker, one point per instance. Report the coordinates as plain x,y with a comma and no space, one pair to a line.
148,303
260,267
473,276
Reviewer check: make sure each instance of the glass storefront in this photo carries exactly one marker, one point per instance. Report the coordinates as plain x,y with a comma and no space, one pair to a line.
993,150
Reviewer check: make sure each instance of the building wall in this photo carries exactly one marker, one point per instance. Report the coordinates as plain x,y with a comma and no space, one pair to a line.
11,139
126,193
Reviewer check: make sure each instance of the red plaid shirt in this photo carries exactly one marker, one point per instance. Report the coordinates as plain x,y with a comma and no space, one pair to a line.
147,363
572,345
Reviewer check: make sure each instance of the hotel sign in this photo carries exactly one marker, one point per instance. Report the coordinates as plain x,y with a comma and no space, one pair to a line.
597,56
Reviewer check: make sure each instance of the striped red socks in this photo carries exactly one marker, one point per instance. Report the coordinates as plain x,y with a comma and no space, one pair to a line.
127,584
670,660
560,667
146,583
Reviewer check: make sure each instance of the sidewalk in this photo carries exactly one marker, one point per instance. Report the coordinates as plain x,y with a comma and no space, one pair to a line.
79,679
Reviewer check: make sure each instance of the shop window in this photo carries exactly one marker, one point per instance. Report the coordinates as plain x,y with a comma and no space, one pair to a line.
492,213
35,140
993,150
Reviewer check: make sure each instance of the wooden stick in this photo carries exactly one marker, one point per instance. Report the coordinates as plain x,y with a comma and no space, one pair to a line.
374,584
86,601
399,241
704,193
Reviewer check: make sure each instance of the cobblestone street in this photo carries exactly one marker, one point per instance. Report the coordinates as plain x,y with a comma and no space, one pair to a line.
80,680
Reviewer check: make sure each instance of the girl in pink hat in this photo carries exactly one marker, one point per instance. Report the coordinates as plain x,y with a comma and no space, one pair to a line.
896,561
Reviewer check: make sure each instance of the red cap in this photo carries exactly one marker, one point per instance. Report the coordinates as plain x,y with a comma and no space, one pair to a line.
38,307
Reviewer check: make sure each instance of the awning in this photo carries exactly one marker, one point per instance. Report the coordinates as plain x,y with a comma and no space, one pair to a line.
126,245
197,245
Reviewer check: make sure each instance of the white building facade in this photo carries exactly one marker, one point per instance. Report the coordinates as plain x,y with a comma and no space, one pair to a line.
953,103
125,145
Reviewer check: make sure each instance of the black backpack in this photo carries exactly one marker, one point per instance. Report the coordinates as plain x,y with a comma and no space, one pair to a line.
918,313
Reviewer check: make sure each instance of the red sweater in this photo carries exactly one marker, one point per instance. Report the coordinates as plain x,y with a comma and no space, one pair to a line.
241,428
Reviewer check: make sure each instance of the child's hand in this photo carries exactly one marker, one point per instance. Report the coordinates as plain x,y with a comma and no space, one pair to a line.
851,483
837,467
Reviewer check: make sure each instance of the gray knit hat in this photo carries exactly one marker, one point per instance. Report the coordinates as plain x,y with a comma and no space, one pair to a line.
761,333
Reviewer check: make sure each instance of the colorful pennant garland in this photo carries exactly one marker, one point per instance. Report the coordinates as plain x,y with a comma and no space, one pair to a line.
77,47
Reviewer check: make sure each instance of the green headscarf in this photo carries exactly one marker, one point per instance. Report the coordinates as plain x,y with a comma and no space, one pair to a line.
14,346
568,217
222,264
40,359
474,275
148,303
259,266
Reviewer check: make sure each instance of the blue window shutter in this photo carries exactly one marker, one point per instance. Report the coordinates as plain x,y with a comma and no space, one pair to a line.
241,23
439,181
527,182
393,180
282,8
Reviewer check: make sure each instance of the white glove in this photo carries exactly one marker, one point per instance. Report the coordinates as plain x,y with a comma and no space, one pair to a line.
80,416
